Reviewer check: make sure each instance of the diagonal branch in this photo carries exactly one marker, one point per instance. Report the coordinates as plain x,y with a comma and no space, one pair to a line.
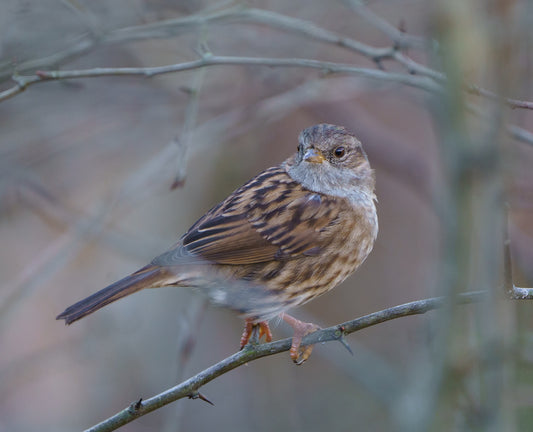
190,387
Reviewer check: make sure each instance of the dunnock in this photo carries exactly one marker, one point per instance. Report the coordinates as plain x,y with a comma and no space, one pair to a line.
290,234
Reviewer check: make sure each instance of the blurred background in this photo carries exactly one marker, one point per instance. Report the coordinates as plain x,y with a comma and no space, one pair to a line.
98,175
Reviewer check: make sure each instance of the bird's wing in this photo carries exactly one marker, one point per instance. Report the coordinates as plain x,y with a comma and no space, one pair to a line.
272,217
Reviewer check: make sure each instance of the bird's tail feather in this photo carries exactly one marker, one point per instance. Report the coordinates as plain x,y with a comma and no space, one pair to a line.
147,277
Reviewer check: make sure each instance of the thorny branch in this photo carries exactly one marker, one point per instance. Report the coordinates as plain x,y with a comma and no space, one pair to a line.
190,387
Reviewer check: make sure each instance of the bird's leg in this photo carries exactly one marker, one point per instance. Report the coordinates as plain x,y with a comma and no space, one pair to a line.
249,324
299,354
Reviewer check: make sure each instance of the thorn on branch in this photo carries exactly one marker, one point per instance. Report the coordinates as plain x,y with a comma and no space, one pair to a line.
384,54
177,183
197,395
340,337
203,50
325,72
135,407
402,26
398,44
379,63
187,90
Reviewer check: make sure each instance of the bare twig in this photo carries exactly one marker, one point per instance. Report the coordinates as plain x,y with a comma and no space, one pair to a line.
520,134
207,60
190,387
174,27
519,293
23,82
510,102
184,138
401,40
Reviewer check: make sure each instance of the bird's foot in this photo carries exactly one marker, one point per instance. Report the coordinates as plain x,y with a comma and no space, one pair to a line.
264,330
298,353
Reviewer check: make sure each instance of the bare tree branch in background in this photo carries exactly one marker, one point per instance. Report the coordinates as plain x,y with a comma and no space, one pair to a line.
174,27
208,60
23,82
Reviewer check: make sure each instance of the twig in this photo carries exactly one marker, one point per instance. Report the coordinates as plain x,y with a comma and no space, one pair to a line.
23,82
190,387
307,29
519,293
173,27
421,82
520,134
401,40
510,102
184,138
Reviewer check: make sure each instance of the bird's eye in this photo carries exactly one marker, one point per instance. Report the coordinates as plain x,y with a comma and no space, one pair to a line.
299,148
339,152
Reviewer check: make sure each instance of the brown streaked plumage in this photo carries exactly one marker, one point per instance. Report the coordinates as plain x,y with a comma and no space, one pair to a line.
290,234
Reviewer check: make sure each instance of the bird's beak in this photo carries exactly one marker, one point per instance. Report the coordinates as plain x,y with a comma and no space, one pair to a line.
314,156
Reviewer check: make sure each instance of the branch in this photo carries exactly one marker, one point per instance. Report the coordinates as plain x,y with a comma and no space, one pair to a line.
401,39
190,387
174,27
510,102
417,81
23,82
520,134
308,29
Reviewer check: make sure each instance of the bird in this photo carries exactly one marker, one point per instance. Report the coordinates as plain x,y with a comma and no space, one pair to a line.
287,236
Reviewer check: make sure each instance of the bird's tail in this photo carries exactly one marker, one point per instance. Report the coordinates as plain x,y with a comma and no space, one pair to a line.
149,276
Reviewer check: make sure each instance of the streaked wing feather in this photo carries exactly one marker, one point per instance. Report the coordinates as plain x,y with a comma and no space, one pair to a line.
226,239
270,218
298,224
